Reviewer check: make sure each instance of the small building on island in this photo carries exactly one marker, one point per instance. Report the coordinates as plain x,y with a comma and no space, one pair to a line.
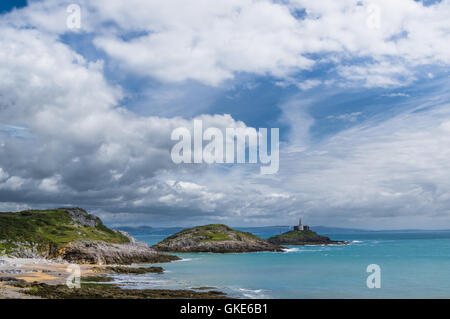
300,226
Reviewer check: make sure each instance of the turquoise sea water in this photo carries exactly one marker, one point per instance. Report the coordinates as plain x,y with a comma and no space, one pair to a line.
414,264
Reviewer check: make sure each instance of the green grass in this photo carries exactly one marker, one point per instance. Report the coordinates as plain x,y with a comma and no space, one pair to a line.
213,236
33,289
299,234
49,227
212,232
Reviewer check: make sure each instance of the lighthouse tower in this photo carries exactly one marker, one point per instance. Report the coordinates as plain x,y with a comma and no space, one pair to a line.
300,225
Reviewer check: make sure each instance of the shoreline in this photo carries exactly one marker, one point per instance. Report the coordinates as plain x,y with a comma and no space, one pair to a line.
29,278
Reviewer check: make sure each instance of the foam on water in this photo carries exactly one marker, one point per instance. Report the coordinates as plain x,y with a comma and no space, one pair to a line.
253,293
185,259
291,250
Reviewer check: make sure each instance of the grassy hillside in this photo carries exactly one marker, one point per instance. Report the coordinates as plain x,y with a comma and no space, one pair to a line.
51,228
214,238
211,233
305,234
304,237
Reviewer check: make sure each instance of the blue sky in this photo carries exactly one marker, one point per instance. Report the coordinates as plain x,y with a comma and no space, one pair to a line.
255,100
358,91
7,6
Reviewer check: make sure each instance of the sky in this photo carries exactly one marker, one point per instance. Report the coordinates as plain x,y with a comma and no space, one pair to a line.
358,90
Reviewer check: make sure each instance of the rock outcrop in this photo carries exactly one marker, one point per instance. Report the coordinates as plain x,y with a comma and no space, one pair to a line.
305,237
81,218
95,252
73,235
216,238
110,291
129,270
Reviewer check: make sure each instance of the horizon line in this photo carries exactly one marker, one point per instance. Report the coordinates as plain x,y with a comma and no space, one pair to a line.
289,226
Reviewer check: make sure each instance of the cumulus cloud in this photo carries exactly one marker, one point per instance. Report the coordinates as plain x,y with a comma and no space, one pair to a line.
174,41
388,174
66,138
207,43
211,44
80,142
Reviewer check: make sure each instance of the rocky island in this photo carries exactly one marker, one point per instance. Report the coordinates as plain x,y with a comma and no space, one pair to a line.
216,238
307,237
302,235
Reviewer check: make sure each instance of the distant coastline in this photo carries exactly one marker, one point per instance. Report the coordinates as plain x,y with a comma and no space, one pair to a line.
318,229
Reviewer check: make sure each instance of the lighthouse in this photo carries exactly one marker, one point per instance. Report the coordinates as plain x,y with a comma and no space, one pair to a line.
300,226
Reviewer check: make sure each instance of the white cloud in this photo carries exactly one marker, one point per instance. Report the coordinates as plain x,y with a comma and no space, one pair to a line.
13,183
350,117
79,142
308,84
383,74
175,41
397,94
212,43
13,207
50,184
183,194
206,43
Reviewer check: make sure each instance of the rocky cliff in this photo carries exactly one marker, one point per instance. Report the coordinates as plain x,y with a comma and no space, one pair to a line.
305,237
73,235
215,238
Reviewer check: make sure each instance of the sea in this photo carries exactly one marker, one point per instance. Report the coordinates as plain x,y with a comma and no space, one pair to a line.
412,264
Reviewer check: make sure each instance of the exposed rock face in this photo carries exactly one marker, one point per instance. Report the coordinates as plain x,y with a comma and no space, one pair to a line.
214,238
82,218
73,235
307,237
25,250
89,252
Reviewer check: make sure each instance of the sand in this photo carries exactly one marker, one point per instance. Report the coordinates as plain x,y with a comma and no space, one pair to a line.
34,269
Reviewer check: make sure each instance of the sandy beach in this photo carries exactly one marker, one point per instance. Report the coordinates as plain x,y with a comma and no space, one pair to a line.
36,270
28,278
